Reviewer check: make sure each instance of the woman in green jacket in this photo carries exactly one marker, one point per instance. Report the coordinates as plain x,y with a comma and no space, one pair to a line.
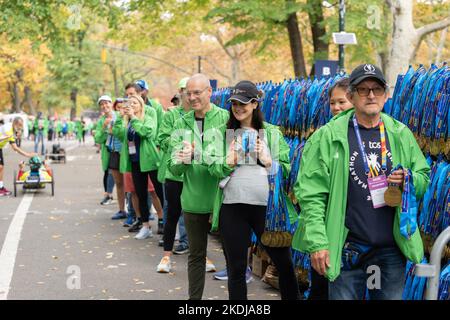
137,130
245,190
100,138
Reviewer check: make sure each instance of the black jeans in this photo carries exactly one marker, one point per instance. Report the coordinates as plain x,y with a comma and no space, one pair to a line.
140,181
173,194
235,224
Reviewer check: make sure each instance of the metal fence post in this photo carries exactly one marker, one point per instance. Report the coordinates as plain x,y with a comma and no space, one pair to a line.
433,269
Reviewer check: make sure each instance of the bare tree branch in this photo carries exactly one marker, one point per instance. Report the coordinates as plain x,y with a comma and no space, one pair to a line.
432,27
222,44
441,45
217,70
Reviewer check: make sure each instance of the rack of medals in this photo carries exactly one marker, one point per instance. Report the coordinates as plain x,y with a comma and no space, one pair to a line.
421,100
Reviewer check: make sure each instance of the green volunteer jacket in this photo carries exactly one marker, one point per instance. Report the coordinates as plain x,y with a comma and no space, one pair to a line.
58,126
322,184
280,152
149,158
45,127
159,112
79,129
199,186
164,133
100,137
71,126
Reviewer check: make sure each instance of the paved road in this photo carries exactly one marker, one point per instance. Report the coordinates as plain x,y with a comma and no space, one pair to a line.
47,240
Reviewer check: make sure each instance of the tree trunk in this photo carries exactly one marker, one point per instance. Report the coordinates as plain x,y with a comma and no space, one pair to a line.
316,19
73,109
16,93
28,99
295,41
16,99
405,38
235,69
115,79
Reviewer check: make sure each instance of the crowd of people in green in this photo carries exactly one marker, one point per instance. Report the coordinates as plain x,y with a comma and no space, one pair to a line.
206,169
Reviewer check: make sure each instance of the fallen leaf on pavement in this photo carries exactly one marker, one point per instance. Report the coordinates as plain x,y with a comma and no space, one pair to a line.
145,290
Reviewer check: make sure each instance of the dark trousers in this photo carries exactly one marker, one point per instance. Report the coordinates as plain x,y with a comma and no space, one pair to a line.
319,286
108,182
158,185
235,223
140,181
197,227
173,194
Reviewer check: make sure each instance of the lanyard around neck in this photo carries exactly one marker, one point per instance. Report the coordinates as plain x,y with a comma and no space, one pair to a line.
363,152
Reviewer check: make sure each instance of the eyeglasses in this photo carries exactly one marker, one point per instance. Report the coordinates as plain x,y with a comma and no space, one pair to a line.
364,92
195,93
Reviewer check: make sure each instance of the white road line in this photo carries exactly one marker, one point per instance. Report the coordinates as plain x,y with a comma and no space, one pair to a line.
11,244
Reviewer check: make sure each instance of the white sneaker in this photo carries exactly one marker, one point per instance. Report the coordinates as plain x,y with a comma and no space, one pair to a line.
210,267
144,233
165,265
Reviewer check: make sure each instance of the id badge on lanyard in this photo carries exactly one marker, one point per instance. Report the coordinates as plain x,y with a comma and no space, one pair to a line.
377,187
377,184
131,148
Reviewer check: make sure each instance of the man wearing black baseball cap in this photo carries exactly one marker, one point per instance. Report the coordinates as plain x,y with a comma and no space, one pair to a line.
367,71
352,229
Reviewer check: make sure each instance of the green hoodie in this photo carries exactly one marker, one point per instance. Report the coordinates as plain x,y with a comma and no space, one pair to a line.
322,184
280,152
100,138
149,158
199,186
164,133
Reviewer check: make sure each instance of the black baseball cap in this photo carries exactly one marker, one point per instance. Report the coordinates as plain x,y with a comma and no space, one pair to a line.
244,92
367,71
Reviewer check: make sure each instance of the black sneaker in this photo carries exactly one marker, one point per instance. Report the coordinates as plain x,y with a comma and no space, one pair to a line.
161,242
136,226
181,249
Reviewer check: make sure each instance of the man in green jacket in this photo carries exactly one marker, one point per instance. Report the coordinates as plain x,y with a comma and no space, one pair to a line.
194,137
40,129
173,184
352,235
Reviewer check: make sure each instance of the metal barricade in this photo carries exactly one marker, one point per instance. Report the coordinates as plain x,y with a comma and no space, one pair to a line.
432,270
